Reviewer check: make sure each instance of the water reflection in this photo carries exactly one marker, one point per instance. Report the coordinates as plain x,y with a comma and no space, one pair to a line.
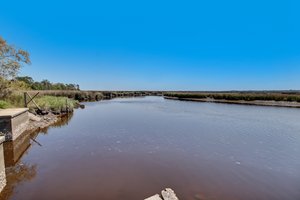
14,150
16,171
15,176
65,120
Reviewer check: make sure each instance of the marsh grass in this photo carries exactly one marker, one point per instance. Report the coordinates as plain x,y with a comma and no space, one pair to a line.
238,96
47,103
55,104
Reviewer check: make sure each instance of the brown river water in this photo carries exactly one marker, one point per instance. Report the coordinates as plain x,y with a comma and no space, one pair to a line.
132,148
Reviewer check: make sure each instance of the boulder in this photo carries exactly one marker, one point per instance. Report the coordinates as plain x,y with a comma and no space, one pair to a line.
169,194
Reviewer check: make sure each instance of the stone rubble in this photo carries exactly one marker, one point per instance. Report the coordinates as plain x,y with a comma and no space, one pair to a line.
167,194
40,122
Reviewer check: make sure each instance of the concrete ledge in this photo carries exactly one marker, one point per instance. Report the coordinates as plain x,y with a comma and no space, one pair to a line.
12,112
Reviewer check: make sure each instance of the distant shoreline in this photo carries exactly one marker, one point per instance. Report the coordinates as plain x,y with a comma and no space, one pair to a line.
240,102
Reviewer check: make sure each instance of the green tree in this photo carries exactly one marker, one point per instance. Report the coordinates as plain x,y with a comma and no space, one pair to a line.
46,84
26,79
11,59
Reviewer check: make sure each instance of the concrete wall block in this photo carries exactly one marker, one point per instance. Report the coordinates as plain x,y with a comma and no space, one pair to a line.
13,122
2,169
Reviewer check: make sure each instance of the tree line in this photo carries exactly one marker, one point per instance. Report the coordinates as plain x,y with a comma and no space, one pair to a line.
46,84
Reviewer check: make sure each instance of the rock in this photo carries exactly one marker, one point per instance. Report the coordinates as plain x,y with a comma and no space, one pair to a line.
33,117
169,194
42,112
46,118
155,197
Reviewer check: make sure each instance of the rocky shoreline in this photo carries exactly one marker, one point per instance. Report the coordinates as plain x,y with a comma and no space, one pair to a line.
37,122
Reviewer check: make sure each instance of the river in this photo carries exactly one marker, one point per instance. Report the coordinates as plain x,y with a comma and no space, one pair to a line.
132,148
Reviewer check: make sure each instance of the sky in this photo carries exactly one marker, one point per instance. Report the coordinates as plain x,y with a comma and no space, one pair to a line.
158,45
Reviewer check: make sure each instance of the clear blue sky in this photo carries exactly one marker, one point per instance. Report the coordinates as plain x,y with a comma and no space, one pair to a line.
158,45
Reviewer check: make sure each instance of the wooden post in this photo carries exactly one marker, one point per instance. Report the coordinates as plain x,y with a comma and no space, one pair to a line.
25,99
67,106
31,99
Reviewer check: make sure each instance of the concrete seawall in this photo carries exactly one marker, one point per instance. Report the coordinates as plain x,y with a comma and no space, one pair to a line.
2,165
13,122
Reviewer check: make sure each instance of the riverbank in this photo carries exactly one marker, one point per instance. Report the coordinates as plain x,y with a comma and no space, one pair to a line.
55,104
52,116
37,122
92,95
43,121
50,106
241,102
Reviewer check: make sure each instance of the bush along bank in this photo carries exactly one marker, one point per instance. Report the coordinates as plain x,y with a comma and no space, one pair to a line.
85,96
64,101
71,94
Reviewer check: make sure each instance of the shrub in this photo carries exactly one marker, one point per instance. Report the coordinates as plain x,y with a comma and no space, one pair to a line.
4,104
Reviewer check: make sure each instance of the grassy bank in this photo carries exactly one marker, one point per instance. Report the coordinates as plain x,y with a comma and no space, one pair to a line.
55,100
80,95
239,96
50,99
71,94
46,103
55,104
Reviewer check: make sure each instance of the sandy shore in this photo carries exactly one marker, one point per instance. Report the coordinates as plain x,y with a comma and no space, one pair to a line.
255,103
